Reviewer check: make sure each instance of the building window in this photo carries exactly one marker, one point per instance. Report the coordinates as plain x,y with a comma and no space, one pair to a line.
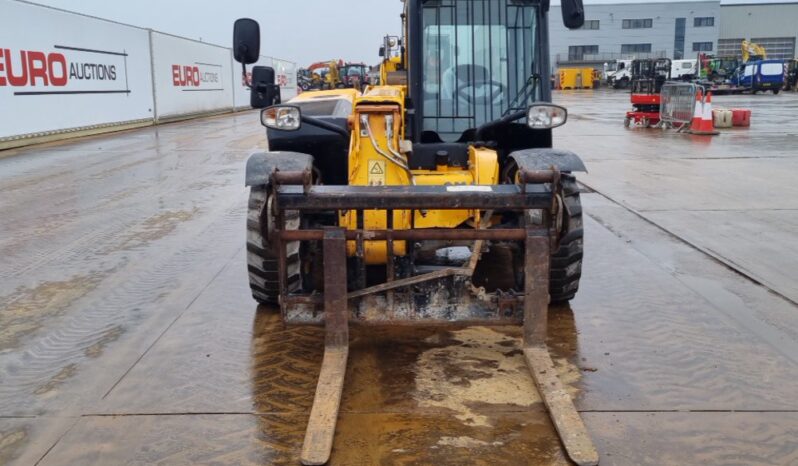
636,48
703,22
638,23
591,24
578,52
778,48
678,40
730,48
702,46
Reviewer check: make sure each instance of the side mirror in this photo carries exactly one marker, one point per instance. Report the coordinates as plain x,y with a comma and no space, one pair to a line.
382,52
246,41
573,13
265,92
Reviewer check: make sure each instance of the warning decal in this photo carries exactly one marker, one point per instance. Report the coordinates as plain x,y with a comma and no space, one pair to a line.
376,172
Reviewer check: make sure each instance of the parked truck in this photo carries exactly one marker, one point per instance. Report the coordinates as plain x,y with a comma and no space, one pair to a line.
618,74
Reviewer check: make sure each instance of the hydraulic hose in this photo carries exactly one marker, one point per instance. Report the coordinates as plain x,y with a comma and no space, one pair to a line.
394,158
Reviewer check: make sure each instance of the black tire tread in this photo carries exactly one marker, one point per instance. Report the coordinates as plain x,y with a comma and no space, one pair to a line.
566,262
262,259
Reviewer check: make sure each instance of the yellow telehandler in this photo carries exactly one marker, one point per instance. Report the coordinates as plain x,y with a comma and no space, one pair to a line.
351,209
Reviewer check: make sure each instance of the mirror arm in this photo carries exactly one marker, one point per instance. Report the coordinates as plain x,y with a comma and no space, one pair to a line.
247,82
480,132
325,125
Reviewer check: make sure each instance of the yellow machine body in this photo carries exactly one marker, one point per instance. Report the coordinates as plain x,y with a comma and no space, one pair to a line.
377,144
389,66
752,51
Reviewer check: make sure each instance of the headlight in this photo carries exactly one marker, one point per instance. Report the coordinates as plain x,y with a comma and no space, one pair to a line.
546,116
282,117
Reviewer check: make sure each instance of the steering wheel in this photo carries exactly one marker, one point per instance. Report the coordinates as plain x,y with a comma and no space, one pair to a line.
498,90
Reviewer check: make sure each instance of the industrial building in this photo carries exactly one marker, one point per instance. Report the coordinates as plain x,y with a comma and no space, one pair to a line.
674,30
771,25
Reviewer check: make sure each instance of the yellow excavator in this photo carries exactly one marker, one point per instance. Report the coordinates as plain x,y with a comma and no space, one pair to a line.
752,51
356,209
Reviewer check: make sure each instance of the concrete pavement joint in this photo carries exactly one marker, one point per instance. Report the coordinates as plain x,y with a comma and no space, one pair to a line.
709,253
60,437
222,269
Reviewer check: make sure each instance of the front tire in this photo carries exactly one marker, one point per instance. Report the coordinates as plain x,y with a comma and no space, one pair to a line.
262,255
566,262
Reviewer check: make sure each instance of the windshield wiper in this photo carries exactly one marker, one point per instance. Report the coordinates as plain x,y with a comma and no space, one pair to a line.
528,90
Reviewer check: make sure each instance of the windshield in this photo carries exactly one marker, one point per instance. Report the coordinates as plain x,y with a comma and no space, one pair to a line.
478,60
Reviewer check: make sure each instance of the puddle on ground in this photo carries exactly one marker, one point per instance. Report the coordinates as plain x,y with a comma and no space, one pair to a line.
156,227
466,442
11,442
109,336
28,309
65,373
482,367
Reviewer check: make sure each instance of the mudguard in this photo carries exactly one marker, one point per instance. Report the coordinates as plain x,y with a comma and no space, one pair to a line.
543,159
260,166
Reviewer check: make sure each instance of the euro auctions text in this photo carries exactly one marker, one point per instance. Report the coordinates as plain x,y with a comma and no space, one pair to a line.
81,70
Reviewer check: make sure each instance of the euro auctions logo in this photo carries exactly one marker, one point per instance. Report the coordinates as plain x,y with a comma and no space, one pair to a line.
198,77
64,70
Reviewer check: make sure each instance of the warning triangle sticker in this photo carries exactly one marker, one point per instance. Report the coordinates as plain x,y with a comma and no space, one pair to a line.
376,169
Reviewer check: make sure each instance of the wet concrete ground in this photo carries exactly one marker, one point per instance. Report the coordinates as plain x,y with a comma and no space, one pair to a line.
128,336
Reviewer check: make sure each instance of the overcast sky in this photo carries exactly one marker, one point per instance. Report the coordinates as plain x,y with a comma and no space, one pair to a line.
304,31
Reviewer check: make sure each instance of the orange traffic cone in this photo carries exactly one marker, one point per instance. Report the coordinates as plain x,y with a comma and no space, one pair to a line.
698,113
707,125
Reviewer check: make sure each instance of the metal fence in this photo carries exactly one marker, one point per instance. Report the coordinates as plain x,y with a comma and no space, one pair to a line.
677,104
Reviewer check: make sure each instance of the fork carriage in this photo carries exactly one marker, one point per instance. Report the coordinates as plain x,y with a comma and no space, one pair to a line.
443,295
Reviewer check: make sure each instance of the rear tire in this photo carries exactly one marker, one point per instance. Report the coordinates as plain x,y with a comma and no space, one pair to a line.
566,262
262,255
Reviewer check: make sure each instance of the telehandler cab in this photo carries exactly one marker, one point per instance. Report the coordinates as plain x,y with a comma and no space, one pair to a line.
351,211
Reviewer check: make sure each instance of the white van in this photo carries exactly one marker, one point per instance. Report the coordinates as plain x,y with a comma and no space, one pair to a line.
684,70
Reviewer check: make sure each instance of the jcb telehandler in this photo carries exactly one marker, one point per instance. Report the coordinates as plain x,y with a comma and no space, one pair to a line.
355,211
